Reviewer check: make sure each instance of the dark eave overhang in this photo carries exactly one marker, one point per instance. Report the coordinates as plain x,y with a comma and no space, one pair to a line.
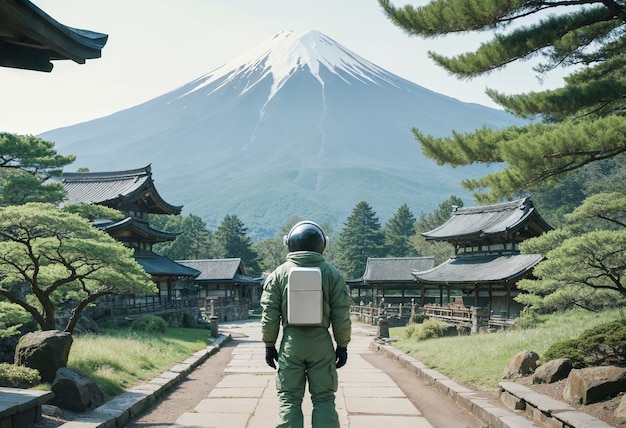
464,271
136,229
30,39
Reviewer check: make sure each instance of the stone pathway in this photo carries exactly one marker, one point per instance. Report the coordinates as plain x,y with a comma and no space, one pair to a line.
246,397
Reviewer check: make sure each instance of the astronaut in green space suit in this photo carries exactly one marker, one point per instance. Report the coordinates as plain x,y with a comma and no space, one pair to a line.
306,295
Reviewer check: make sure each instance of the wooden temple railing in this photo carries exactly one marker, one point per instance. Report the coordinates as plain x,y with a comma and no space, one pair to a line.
472,318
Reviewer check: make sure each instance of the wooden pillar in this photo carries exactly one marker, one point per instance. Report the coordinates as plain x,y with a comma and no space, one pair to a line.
441,295
375,295
508,301
423,294
490,298
476,292
448,293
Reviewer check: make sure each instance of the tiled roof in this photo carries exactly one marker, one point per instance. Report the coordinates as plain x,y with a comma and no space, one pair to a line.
219,270
158,265
30,38
393,269
137,228
114,188
471,270
489,220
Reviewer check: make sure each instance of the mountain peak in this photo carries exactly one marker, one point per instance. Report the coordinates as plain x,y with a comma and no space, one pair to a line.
286,52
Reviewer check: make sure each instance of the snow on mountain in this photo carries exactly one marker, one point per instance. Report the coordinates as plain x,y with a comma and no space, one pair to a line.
287,52
297,126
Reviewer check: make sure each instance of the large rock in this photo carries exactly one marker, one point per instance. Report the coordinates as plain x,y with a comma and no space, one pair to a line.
45,351
594,384
620,412
521,364
73,390
553,371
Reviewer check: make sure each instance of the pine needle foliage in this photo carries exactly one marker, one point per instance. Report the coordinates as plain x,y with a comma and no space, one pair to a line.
577,124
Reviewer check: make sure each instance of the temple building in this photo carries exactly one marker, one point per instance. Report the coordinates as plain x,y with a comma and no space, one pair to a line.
487,262
133,193
224,284
389,279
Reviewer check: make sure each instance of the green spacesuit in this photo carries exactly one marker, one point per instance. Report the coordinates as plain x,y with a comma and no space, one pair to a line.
307,353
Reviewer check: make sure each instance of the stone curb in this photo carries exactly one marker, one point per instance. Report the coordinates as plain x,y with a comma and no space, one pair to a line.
542,408
118,411
538,407
485,410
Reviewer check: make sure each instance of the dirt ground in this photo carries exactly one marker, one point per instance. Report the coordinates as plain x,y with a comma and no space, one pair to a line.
437,409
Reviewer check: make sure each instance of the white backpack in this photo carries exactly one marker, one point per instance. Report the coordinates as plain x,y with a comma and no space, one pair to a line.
304,296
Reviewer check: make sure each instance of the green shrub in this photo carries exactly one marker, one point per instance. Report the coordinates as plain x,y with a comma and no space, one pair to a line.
601,345
566,349
418,318
149,324
430,328
528,318
410,330
14,376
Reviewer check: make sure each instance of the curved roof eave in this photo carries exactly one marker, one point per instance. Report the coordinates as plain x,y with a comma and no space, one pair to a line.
471,270
158,265
140,228
488,220
113,187
31,39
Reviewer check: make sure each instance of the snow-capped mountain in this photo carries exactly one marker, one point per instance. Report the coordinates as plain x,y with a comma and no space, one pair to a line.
297,126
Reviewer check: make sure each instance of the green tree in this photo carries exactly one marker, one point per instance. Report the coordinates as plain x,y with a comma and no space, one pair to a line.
555,202
61,259
93,212
360,238
272,251
12,318
585,261
442,251
195,241
232,241
582,122
398,232
26,162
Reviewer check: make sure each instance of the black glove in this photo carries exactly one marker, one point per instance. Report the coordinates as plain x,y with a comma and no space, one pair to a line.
341,356
271,355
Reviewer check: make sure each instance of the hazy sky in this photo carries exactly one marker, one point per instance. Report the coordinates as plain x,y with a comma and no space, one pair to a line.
156,46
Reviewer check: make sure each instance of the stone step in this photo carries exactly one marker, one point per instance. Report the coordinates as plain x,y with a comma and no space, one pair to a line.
21,407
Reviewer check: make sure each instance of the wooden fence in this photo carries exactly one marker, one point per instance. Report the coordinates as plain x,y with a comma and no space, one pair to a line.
472,318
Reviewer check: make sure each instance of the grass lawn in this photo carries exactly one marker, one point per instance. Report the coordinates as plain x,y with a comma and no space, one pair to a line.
117,359
480,359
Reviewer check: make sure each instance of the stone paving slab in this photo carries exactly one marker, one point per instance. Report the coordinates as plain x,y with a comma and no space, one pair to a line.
373,391
381,406
242,392
227,405
219,420
374,421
